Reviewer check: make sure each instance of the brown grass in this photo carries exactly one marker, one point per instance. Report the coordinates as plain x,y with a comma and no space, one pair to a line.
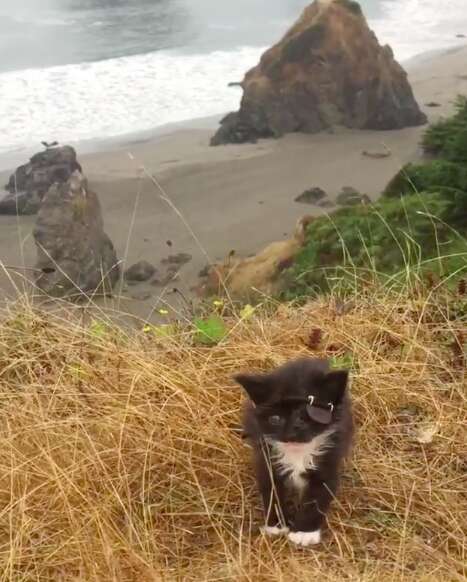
119,458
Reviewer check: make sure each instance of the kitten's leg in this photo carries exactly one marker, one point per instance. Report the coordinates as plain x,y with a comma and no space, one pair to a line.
315,503
271,487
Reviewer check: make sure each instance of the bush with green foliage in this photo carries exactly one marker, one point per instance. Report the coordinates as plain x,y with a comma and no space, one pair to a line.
436,176
419,224
448,138
388,237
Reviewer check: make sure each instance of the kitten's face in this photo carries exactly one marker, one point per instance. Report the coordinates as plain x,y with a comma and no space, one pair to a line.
282,399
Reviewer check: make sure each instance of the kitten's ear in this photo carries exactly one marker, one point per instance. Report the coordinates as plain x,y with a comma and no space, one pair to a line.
335,384
257,386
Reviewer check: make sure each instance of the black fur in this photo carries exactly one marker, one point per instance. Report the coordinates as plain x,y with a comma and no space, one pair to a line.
283,394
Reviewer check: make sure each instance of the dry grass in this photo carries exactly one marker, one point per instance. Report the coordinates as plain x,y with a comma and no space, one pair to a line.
119,459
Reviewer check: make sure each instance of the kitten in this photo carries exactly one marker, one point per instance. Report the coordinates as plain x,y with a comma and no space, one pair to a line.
299,422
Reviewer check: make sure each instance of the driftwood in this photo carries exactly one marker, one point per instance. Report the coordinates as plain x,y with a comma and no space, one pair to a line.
377,155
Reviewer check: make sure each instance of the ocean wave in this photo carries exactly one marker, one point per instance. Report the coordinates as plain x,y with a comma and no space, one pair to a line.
412,27
44,21
136,93
117,96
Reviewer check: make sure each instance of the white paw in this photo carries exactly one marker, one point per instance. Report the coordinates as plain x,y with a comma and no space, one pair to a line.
274,530
305,538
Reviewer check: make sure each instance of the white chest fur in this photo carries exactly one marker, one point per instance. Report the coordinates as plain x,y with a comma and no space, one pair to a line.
294,459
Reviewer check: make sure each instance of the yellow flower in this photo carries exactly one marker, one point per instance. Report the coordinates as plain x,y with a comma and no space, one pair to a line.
218,303
247,311
163,312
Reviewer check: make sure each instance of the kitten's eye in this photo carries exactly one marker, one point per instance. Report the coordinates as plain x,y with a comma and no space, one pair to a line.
275,420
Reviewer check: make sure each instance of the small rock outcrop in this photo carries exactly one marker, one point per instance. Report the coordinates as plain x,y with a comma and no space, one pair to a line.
328,70
245,277
348,196
311,196
74,255
140,272
30,182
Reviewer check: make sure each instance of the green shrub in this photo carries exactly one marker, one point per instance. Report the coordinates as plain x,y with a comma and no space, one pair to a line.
419,224
388,237
435,176
448,138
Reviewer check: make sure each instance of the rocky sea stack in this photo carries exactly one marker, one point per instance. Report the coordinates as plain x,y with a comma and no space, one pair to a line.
30,182
75,257
328,70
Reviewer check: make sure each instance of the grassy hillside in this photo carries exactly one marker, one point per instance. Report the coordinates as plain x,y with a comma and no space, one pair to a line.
417,228
120,458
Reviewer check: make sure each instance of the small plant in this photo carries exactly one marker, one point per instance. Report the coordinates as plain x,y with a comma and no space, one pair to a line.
345,361
247,311
209,331
165,330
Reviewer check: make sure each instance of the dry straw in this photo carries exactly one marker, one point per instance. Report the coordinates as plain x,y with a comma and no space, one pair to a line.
120,459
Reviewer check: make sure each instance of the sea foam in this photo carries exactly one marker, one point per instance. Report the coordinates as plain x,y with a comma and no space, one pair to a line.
412,27
130,94
118,96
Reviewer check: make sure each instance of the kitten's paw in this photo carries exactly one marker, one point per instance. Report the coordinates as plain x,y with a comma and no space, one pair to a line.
305,538
274,530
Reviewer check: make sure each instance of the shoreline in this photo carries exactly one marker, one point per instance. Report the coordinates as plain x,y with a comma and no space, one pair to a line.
233,198
12,159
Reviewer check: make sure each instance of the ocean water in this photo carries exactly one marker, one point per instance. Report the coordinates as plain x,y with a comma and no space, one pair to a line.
87,69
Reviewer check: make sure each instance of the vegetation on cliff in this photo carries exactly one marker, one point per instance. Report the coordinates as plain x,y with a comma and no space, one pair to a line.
418,228
448,138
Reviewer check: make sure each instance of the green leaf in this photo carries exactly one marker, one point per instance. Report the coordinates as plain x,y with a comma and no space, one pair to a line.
344,361
210,331
98,329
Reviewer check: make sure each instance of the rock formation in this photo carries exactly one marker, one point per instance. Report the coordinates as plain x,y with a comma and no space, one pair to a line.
311,196
30,182
348,196
74,255
328,70
140,272
245,277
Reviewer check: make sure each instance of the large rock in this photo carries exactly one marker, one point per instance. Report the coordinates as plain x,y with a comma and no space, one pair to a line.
328,70
74,255
30,182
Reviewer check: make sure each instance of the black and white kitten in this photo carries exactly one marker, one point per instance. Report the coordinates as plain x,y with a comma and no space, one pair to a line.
299,422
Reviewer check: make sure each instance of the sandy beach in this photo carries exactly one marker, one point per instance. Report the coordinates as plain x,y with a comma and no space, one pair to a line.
229,197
